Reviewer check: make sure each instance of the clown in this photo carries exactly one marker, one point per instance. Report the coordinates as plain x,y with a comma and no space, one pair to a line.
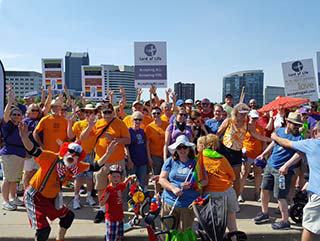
55,168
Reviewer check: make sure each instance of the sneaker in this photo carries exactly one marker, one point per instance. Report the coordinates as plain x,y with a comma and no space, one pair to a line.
76,203
90,200
261,218
240,199
282,225
9,206
16,202
82,190
99,217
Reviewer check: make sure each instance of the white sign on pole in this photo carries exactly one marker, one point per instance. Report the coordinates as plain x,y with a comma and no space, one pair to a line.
53,74
2,89
299,79
150,60
93,82
318,65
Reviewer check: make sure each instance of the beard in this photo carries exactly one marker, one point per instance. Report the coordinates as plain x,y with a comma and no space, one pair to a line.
69,161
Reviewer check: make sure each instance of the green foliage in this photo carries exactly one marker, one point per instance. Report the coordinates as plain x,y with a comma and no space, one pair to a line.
20,100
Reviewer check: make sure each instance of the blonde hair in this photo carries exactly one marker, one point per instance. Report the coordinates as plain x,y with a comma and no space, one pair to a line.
30,108
136,114
238,108
212,142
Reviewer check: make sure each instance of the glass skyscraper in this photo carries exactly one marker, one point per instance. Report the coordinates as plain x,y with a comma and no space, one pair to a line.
252,80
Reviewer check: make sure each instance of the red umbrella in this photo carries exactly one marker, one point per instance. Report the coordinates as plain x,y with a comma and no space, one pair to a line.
284,102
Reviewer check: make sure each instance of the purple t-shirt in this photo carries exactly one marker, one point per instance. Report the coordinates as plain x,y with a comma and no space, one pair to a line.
12,141
175,132
32,124
137,147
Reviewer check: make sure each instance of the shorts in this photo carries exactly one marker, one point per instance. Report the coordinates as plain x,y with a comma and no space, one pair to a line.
270,181
157,164
12,167
311,217
101,176
114,230
39,208
30,164
249,161
184,217
88,159
232,202
234,157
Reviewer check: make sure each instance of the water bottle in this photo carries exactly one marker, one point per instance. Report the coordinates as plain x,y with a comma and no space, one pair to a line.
282,182
154,205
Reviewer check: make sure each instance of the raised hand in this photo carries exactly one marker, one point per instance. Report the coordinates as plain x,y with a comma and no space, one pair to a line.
139,91
122,91
23,130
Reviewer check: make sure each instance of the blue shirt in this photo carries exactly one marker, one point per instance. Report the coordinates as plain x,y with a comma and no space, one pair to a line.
311,148
137,147
177,174
280,155
213,125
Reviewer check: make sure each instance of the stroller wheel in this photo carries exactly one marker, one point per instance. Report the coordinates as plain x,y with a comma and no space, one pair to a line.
136,221
296,212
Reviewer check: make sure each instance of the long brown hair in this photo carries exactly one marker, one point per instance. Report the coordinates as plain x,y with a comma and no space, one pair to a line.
191,155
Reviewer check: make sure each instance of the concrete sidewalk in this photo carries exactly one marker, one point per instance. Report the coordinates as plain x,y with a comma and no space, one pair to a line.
15,225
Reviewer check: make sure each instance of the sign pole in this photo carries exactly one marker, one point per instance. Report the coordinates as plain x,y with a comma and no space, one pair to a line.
2,89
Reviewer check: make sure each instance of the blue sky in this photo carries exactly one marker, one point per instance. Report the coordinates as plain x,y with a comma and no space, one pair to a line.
206,39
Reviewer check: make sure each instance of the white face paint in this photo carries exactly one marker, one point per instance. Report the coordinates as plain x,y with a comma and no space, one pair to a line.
70,159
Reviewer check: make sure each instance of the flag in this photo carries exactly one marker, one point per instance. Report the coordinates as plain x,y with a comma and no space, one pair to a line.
242,96
87,91
59,84
48,83
99,91
199,173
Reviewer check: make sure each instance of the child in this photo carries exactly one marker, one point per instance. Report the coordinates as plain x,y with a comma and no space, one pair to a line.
112,197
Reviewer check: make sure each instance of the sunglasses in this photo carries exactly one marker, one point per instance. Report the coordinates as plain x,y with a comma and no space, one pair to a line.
35,110
74,152
137,119
182,147
107,112
16,114
183,114
156,113
64,109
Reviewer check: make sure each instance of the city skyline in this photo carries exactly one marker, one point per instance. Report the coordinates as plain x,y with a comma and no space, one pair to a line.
205,41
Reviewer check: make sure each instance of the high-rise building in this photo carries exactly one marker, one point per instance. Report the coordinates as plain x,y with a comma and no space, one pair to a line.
73,63
184,90
116,76
252,80
272,92
24,82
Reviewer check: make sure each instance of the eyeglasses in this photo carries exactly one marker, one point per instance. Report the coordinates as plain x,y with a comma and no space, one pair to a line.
182,147
74,152
137,119
107,112
35,110
16,114
156,113
183,114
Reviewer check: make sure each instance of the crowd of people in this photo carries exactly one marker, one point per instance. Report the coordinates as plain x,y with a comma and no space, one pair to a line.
96,146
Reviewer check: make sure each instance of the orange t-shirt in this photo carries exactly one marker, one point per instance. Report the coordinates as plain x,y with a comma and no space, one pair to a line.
87,144
52,186
220,173
164,118
146,121
53,128
156,136
117,129
253,146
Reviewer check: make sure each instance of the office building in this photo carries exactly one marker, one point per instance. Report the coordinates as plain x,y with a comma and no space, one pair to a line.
24,83
73,63
252,80
184,91
120,75
272,92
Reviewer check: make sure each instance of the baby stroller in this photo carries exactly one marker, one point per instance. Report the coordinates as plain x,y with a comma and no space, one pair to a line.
296,210
211,220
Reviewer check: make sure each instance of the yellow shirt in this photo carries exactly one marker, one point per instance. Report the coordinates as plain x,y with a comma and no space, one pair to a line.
233,136
253,146
156,136
87,144
146,121
53,128
117,129
165,118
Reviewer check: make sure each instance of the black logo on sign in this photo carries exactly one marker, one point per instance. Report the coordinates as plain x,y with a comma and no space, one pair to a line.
297,66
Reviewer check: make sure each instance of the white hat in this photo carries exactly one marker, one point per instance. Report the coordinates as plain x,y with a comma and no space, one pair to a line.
189,101
99,105
182,139
56,102
89,107
254,114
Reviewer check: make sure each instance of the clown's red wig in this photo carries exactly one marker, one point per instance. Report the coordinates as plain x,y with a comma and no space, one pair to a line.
64,149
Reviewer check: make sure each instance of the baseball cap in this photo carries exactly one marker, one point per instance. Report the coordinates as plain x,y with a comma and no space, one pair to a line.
179,102
189,101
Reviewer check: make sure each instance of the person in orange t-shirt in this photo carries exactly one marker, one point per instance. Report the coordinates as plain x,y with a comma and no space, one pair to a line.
220,177
53,126
45,184
155,133
252,148
137,106
107,129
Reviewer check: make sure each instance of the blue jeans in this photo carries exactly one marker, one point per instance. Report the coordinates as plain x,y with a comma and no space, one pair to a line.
141,172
